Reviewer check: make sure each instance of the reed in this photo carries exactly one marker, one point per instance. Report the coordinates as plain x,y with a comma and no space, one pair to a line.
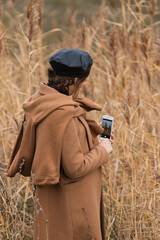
124,79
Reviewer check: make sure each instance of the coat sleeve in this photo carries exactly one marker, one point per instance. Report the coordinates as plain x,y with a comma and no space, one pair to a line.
75,163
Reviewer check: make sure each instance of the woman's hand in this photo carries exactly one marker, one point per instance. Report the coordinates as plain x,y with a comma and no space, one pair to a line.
106,143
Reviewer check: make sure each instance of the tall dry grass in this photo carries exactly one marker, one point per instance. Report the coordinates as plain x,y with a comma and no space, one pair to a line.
125,80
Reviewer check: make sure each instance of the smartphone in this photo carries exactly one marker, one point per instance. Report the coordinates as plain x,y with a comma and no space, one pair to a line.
107,124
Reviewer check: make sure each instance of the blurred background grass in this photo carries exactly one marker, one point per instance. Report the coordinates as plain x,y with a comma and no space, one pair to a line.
55,14
123,37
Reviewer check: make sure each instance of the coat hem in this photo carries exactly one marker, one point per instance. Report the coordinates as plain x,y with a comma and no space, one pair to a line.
45,181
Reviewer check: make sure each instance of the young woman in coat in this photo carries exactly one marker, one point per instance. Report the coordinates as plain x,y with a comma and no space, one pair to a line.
59,147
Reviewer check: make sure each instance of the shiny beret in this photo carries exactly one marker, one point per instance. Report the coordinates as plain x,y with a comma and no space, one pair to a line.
71,63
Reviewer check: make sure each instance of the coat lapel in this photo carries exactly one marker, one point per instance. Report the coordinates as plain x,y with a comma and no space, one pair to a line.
80,113
89,136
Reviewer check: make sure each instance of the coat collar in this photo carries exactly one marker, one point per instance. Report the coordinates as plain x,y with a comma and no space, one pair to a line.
84,102
45,89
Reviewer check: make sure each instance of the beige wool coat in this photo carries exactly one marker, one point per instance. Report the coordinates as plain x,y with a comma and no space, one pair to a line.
61,153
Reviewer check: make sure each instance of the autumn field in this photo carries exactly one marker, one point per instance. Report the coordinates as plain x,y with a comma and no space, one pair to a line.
125,80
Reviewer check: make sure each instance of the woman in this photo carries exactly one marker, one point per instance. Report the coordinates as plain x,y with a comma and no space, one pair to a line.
59,147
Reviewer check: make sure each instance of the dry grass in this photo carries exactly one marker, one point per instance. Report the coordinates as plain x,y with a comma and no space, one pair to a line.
125,80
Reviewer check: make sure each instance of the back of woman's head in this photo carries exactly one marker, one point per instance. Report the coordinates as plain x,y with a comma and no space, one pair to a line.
68,65
62,83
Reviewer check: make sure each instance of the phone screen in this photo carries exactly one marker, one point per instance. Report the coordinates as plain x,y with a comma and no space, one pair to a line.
107,125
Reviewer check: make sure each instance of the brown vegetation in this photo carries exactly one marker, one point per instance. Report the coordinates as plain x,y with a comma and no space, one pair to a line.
125,80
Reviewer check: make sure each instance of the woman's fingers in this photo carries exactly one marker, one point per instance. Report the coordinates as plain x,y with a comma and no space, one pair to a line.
112,135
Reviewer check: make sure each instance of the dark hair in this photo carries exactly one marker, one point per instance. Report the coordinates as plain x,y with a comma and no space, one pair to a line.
62,83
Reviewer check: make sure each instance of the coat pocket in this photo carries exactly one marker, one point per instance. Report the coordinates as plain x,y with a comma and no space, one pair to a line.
69,180
66,180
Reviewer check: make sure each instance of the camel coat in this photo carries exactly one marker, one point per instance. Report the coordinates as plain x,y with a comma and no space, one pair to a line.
69,196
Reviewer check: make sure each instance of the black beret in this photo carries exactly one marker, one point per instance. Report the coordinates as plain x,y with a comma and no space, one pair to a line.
71,63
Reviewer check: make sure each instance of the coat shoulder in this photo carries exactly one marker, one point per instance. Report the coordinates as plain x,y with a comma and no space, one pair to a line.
61,114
